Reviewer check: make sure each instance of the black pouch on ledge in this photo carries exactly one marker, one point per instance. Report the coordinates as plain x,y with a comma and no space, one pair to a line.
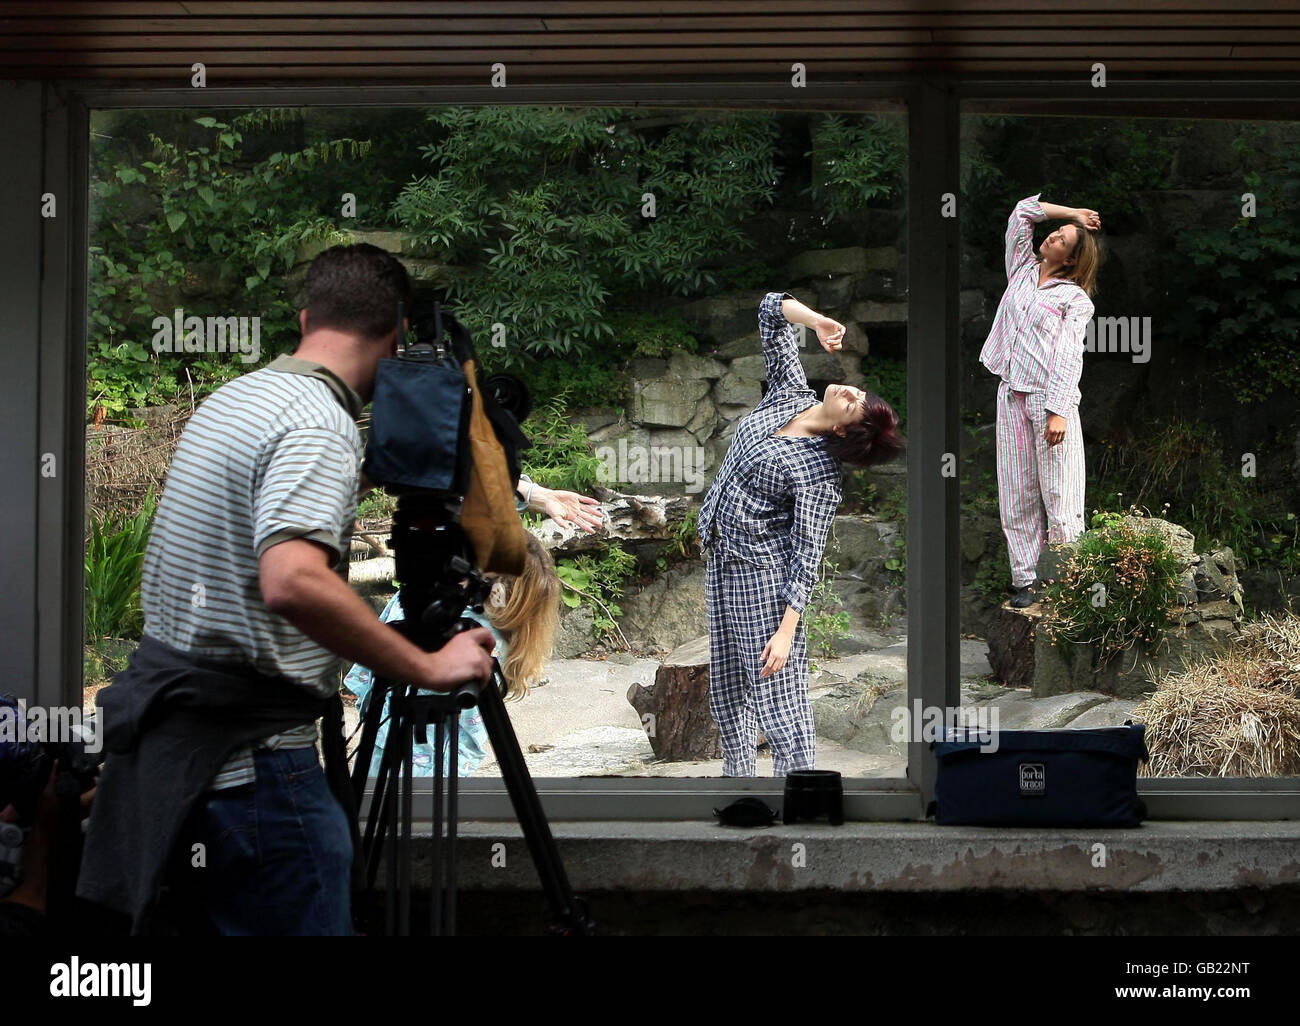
1082,777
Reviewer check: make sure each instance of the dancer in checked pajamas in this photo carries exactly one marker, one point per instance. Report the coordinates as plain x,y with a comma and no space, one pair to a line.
1036,347
763,525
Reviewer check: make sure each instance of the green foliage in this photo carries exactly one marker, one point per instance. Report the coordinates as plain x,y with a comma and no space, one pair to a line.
1239,293
856,161
1121,586
1105,164
200,218
1185,464
598,579
113,563
600,379
651,334
888,379
993,573
378,505
826,619
897,563
538,211
560,457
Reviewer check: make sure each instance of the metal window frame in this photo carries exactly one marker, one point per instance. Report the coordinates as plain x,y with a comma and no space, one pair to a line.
54,119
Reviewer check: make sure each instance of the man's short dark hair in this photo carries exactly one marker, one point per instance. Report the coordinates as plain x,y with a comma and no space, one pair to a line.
356,289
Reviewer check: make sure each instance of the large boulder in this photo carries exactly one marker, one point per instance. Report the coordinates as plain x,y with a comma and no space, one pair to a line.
668,611
1023,655
577,633
726,317
667,401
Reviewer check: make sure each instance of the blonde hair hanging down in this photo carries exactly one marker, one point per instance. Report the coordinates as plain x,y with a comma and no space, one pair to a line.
529,618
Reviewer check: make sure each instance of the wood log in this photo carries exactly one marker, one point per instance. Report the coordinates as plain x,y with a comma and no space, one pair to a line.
626,518
674,710
1011,644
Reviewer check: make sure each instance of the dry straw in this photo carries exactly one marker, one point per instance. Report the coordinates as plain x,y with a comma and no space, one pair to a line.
1234,715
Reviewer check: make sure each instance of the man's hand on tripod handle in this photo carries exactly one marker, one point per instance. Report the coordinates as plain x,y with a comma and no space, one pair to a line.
297,583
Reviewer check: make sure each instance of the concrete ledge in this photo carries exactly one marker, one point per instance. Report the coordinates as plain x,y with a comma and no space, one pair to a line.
884,857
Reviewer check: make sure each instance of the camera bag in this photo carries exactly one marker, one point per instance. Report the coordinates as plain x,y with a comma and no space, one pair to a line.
1081,777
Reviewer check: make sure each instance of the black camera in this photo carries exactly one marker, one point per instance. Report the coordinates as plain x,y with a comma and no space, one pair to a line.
27,754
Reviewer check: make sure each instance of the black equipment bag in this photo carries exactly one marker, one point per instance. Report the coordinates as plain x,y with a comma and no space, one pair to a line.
419,423
1081,777
418,426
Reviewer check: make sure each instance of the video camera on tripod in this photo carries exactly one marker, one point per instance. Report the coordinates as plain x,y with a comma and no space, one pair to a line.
448,448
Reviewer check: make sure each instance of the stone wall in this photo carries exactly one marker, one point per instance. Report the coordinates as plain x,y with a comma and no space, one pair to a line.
684,410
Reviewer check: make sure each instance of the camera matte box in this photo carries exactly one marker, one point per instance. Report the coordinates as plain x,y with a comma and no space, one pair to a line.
1083,777
417,424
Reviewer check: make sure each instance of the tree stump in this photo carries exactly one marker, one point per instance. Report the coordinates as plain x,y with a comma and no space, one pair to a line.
1011,644
674,710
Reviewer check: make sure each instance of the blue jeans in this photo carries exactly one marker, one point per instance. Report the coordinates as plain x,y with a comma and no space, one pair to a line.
278,851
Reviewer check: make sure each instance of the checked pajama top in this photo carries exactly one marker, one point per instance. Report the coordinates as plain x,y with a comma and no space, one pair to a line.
773,499
764,525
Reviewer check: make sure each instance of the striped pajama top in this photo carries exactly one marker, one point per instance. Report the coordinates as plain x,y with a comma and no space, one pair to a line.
1036,343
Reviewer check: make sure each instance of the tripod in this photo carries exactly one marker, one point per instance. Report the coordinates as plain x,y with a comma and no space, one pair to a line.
432,604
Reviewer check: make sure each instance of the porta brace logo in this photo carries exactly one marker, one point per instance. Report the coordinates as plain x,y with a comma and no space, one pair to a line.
1033,779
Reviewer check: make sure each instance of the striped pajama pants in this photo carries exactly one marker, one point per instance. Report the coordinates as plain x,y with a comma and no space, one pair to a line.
745,608
1040,486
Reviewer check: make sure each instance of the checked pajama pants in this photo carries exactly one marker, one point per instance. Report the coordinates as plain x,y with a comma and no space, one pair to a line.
1040,486
745,608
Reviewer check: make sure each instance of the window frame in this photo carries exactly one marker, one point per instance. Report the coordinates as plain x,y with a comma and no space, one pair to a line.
59,162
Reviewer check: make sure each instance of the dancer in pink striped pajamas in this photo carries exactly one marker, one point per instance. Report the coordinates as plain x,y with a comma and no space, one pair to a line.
1036,347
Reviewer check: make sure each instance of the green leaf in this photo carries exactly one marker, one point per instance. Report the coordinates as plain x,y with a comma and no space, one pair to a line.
176,218
206,194
206,122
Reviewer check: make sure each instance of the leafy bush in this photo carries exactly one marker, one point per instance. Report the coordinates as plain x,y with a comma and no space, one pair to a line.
856,160
218,218
1121,586
1105,164
599,579
888,379
1186,462
1239,295
113,563
541,251
560,457
826,620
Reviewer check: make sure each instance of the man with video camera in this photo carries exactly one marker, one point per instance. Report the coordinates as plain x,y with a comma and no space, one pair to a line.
212,783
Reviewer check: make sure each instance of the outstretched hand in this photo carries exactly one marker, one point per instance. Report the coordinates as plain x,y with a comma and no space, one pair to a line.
570,508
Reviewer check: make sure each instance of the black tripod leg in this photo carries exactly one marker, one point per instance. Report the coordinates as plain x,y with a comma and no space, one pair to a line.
453,769
435,882
404,883
568,914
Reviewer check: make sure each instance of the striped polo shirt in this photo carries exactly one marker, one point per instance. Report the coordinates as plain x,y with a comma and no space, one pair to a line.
270,456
